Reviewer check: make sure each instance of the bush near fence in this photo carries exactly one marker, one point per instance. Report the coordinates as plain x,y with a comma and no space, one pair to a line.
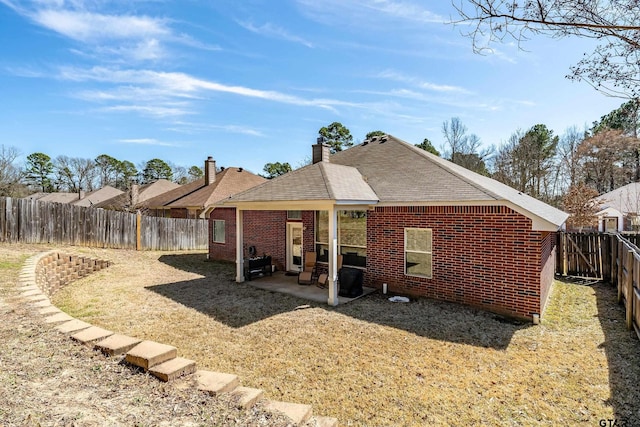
32,221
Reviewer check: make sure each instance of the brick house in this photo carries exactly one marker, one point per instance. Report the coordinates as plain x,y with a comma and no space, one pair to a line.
419,223
197,199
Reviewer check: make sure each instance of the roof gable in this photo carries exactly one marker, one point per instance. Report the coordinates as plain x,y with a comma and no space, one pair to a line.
625,199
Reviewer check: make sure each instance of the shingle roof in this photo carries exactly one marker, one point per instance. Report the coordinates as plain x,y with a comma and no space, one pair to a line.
97,196
145,192
398,173
625,199
228,182
58,197
196,194
321,181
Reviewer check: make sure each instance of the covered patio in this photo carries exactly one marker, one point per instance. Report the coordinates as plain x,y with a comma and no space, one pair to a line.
280,282
321,186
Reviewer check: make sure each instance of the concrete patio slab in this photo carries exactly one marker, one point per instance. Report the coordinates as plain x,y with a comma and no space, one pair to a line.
279,282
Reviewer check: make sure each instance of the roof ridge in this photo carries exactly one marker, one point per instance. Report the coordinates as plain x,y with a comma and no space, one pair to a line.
446,165
325,179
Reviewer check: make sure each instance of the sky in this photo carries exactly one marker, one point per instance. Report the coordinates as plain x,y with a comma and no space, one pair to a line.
251,82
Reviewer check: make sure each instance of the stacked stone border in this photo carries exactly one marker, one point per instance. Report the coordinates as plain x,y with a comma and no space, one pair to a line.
44,274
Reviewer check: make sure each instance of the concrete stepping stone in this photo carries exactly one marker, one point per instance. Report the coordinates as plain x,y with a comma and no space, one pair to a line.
297,412
148,354
72,326
50,310
29,288
43,303
58,317
31,292
247,397
216,382
326,422
117,344
173,369
90,335
37,297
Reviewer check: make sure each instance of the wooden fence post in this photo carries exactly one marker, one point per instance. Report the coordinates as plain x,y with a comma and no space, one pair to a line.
628,303
138,231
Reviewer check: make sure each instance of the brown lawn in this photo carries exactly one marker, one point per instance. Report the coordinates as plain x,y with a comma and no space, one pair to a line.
372,362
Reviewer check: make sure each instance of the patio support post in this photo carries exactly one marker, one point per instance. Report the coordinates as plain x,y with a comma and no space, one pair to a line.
239,246
333,256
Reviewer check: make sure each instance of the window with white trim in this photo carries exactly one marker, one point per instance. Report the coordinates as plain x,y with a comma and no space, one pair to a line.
218,231
418,256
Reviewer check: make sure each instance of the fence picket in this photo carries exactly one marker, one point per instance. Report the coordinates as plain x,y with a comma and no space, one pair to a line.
31,221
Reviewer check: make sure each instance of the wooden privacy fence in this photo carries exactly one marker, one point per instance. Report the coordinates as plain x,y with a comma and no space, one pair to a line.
31,221
610,257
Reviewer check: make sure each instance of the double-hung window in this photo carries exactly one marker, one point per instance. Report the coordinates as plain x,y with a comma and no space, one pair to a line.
418,256
218,231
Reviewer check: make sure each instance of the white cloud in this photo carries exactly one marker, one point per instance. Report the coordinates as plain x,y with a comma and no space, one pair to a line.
192,127
91,27
174,84
365,12
148,141
274,31
148,110
399,77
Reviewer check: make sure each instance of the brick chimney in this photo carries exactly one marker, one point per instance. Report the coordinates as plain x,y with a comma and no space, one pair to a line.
209,171
135,194
321,151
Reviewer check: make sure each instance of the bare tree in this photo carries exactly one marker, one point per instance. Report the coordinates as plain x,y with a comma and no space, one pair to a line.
74,173
10,174
612,68
601,157
464,150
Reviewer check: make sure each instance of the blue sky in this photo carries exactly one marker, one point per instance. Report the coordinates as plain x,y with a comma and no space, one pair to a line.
251,82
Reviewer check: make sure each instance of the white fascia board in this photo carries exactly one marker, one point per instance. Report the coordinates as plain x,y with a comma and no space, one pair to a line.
537,223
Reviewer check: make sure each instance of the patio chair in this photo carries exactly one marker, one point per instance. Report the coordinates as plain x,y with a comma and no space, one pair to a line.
323,279
306,276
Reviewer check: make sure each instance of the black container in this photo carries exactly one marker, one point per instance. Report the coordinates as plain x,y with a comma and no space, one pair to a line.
350,282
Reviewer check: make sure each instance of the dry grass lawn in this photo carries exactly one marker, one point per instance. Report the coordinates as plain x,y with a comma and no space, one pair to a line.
372,362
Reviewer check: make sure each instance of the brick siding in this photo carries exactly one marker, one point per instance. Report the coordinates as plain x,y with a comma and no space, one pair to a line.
55,270
483,256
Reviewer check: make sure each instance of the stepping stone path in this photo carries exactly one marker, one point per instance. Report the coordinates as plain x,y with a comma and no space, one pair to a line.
159,360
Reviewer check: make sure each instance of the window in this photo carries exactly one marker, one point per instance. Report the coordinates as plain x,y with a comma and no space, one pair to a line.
418,258
352,237
218,231
294,214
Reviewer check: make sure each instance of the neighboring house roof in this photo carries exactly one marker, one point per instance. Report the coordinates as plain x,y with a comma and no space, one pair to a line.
625,199
198,195
57,197
145,193
97,196
399,173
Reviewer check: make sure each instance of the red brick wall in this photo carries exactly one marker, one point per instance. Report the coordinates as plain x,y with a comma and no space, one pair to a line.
223,251
484,256
266,230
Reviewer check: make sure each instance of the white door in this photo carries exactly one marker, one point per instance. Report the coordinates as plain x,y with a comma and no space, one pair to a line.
294,246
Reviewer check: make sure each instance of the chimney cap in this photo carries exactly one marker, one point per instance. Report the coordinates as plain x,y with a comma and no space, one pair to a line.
210,158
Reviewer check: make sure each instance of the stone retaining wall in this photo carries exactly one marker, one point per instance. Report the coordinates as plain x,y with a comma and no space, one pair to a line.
54,270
